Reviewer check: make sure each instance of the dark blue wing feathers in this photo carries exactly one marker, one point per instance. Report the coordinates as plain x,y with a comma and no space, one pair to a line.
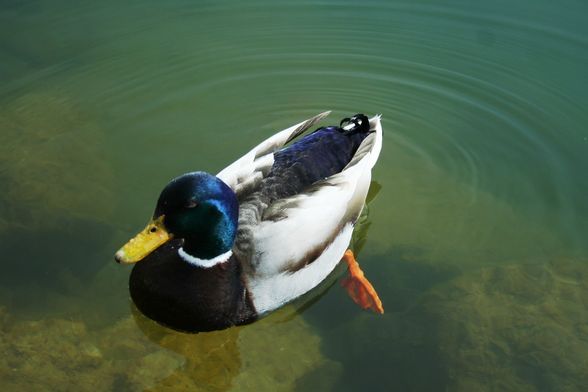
315,157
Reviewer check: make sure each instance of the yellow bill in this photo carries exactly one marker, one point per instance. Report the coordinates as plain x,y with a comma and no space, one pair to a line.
151,238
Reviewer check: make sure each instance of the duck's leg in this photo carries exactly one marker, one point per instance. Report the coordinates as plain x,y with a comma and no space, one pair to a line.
359,288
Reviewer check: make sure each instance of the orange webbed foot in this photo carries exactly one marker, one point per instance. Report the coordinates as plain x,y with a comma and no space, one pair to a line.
359,288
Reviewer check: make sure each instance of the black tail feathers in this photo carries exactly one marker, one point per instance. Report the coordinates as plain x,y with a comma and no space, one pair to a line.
357,123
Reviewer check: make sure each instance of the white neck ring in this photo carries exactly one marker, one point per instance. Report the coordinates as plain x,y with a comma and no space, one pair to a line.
204,263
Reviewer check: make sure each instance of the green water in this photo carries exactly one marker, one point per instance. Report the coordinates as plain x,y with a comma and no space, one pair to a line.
476,240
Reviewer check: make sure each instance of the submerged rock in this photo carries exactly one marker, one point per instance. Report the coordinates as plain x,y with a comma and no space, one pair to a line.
513,328
64,355
57,189
501,328
53,168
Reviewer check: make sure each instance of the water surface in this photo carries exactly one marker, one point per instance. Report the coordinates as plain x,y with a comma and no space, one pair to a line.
476,239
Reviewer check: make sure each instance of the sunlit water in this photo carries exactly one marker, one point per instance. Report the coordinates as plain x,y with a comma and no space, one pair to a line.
476,240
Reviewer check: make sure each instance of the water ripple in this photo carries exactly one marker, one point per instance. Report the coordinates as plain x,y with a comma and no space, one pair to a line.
468,91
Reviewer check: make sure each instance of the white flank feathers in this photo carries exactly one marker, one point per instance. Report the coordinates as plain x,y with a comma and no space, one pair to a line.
270,294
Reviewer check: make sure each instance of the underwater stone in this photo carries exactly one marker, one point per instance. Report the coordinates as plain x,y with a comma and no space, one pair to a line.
57,187
516,327
53,168
64,354
512,328
60,354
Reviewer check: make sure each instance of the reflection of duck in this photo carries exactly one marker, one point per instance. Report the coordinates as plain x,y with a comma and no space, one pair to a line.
200,356
223,250
273,354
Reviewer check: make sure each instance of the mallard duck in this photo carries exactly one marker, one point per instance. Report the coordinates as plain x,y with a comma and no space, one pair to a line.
228,249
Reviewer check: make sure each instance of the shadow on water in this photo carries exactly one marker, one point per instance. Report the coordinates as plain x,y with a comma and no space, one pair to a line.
515,327
54,251
393,350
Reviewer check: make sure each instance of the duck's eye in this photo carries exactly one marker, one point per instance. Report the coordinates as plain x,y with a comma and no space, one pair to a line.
153,229
191,204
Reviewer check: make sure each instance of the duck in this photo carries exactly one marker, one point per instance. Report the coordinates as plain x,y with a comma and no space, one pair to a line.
228,249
